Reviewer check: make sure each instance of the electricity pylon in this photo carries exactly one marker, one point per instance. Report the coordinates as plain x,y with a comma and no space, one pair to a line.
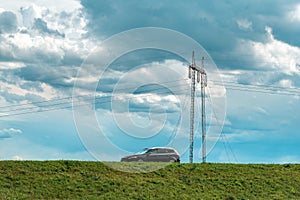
201,76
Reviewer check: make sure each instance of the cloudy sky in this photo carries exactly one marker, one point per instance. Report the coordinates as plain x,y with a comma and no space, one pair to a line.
52,62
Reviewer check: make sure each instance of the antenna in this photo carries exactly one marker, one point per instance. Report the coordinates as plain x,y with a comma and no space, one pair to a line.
201,76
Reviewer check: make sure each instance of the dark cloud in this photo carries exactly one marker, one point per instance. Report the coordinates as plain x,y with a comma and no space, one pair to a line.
213,24
11,52
71,58
137,58
8,22
42,26
28,85
54,76
191,18
101,102
5,53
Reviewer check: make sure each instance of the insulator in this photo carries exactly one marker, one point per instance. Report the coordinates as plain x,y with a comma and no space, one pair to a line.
198,77
205,80
190,72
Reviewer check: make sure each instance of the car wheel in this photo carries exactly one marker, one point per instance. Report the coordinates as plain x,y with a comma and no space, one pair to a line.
172,160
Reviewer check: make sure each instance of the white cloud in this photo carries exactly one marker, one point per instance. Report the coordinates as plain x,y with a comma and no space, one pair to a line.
7,133
58,5
244,24
30,13
286,83
46,38
272,54
40,54
294,14
11,65
17,157
45,91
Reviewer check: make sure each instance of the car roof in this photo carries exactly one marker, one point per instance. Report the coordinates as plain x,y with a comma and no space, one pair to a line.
160,148
169,148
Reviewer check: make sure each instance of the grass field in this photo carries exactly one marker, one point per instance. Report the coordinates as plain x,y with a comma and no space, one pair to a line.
94,180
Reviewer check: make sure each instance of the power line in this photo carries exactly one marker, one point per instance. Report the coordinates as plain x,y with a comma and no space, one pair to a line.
263,90
226,151
259,85
259,88
226,142
222,134
85,104
267,89
229,85
184,105
16,107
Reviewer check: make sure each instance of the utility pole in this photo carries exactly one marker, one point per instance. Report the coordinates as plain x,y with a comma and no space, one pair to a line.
201,74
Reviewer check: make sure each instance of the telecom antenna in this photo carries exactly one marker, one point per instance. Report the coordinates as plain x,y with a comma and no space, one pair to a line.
201,75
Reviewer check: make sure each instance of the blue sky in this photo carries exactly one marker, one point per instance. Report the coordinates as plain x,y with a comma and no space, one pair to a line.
44,44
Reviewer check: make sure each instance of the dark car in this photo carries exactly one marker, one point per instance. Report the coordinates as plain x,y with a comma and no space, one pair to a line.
155,154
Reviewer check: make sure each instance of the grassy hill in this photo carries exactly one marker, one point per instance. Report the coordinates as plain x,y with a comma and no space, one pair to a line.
94,180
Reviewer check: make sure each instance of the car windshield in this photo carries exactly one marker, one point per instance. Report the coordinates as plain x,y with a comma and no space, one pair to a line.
142,151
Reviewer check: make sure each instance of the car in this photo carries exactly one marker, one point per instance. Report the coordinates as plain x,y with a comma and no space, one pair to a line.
154,154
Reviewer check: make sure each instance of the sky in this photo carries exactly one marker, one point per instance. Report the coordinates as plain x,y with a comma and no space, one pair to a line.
83,80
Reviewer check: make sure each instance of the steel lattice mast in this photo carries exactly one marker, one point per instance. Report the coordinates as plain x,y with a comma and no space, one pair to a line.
201,74
203,85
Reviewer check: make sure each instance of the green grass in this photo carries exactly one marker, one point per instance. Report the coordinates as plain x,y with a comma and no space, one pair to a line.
94,180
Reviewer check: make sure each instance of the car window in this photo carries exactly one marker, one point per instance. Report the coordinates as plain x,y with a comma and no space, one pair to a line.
161,151
170,151
152,151
141,152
